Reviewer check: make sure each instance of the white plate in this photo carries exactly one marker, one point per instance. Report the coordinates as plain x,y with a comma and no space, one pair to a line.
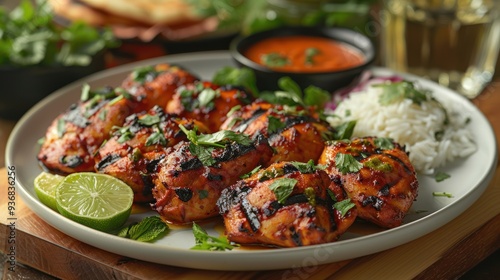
469,178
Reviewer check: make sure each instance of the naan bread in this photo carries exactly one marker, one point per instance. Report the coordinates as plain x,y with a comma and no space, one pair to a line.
153,12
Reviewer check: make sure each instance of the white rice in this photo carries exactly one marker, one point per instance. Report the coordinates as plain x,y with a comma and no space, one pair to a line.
411,125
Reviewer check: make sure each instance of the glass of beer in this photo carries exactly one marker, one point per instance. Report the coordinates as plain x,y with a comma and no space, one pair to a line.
453,42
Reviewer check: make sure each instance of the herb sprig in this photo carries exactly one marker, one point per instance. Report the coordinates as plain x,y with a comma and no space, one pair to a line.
206,242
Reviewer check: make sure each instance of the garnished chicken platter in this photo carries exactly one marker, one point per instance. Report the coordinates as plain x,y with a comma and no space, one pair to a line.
241,168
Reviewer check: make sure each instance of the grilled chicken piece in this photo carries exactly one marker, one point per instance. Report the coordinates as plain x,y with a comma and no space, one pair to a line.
155,85
295,135
377,175
75,135
186,190
287,205
135,149
207,102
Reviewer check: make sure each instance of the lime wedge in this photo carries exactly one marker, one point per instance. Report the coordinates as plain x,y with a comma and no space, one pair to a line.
95,200
45,188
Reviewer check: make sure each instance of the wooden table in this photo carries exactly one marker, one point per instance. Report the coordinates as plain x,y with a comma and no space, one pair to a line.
445,253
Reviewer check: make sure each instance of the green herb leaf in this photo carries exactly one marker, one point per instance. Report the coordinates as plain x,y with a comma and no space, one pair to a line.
61,127
282,188
149,120
204,154
449,195
206,242
147,230
384,143
274,125
377,164
397,91
315,96
274,60
233,110
144,74
311,195
441,176
309,54
156,138
346,163
344,131
244,77
249,174
206,98
344,206
308,167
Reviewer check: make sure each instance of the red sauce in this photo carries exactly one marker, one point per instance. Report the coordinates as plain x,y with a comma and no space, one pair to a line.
304,54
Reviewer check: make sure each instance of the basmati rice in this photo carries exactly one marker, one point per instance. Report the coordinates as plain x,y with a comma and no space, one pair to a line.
422,129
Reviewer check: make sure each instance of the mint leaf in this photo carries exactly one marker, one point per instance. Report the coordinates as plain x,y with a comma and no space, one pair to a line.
147,230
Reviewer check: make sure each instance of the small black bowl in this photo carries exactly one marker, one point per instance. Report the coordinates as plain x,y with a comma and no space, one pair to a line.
23,87
267,79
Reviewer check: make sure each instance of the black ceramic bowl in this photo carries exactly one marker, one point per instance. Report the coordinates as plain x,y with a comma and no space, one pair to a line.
328,80
23,87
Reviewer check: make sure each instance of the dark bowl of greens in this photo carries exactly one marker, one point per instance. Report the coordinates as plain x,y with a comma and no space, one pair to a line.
38,56
326,57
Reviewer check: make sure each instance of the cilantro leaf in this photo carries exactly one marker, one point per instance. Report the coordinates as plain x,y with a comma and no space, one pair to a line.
147,230
274,124
397,91
282,188
244,77
249,174
149,120
206,242
441,176
344,206
384,143
315,96
308,167
344,131
449,195
204,154
346,163
274,60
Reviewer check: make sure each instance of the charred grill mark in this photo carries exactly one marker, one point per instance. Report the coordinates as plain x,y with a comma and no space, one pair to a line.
233,151
148,184
295,236
384,191
291,121
245,123
71,161
184,194
373,201
271,208
75,117
231,197
194,163
251,214
406,167
289,168
214,177
152,165
107,161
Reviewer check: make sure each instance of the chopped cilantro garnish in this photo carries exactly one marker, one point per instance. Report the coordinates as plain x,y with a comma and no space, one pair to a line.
282,188
346,163
274,60
274,125
397,91
449,195
441,176
384,143
344,206
310,53
202,145
308,167
210,243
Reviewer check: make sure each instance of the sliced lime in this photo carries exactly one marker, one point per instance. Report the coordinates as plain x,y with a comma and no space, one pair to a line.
95,200
45,188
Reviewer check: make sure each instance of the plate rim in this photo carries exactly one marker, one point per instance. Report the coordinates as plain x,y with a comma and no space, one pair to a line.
436,219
